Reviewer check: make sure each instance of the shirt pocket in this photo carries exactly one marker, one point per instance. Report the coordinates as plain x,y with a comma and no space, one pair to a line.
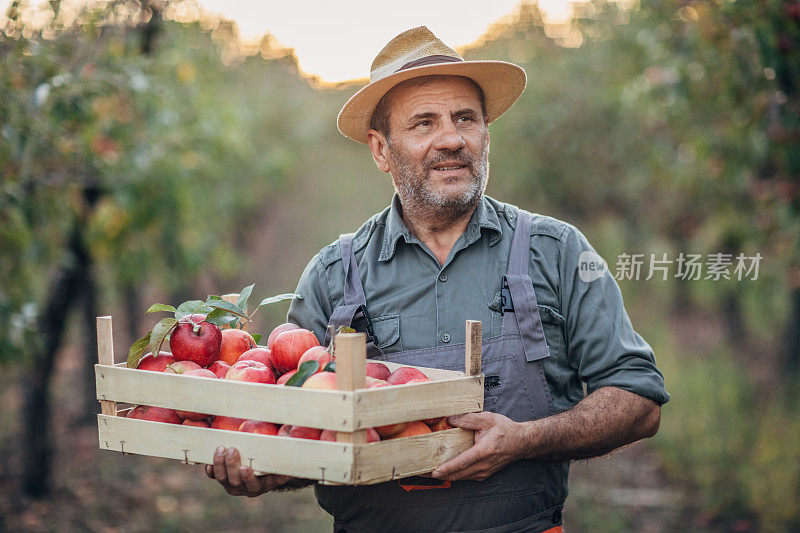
387,332
553,326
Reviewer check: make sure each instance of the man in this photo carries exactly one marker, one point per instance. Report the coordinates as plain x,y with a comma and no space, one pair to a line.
443,253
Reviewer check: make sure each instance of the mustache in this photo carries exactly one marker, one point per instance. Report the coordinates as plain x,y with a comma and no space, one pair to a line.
459,157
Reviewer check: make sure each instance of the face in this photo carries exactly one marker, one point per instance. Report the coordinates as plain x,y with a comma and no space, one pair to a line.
438,147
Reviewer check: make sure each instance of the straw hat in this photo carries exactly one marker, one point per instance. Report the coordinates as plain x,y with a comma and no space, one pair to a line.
418,52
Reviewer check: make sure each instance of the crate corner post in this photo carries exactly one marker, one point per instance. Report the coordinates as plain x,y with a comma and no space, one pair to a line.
472,352
351,367
105,356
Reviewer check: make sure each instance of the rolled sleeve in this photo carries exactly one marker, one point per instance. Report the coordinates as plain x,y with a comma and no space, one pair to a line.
603,347
312,307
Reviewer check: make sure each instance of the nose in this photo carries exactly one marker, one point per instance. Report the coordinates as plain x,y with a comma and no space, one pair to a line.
448,137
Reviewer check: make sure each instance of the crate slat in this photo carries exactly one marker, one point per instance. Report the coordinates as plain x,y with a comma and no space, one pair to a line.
272,403
409,456
278,455
417,401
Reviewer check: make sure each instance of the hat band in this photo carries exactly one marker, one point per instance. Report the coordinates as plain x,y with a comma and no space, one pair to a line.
428,60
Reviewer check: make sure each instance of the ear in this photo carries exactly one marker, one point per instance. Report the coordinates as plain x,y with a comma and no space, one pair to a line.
379,147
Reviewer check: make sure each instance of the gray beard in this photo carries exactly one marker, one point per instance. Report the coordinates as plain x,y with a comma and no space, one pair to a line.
423,202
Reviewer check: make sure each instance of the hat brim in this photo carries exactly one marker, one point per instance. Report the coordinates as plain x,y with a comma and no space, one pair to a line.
502,84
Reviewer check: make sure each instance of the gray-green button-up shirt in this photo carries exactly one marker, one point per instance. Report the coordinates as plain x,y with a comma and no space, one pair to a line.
415,302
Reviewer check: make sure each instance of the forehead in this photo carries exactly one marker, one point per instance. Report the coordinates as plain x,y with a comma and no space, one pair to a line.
414,95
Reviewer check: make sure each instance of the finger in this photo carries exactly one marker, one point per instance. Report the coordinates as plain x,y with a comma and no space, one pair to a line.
473,421
251,482
459,462
272,481
232,463
220,472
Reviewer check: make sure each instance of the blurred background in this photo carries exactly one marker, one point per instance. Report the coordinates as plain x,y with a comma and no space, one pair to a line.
154,151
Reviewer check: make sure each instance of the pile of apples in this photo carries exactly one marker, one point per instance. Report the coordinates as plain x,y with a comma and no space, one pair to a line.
204,350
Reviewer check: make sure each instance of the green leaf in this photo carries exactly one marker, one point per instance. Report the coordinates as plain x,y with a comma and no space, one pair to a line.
160,332
213,297
160,308
256,337
222,304
244,295
137,350
345,329
219,317
304,371
330,367
278,298
192,306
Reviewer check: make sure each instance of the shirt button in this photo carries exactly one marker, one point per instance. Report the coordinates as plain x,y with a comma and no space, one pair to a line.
443,276
445,337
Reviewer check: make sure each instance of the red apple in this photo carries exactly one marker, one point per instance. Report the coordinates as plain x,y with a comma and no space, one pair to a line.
155,363
377,370
199,343
441,425
262,355
154,414
316,353
181,367
330,435
404,374
252,371
257,426
278,330
197,423
321,380
417,427
289,346
219,368
234,343
286,377
388,430
284,430
301,432
229,423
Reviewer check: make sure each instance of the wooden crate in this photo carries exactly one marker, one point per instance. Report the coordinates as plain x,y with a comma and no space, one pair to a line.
349,411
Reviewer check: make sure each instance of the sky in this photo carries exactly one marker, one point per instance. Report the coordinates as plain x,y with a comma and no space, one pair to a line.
337,40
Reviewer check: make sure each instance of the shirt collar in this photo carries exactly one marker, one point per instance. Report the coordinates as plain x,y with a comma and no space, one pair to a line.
484,216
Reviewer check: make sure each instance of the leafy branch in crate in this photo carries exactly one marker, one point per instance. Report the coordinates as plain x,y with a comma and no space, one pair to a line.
218,310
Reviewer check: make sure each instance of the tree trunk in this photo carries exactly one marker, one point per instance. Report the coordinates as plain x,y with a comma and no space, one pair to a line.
791,355
88,330
133,311
37,444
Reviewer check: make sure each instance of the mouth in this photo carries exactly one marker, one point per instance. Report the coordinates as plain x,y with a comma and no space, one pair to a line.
449,166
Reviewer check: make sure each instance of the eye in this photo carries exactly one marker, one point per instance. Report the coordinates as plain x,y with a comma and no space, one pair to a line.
423,123
465,119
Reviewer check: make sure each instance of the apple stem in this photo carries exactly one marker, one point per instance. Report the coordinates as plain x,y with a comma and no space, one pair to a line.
195,327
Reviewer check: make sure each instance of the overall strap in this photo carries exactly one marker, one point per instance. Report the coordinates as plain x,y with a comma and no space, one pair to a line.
526,310
355,302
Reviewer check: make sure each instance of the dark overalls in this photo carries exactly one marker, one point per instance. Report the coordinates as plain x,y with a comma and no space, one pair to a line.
525,496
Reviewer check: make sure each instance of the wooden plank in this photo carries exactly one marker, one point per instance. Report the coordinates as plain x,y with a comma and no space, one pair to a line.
433,373
472,351
105,356
396,458
351,373
272,403
279,455
416,401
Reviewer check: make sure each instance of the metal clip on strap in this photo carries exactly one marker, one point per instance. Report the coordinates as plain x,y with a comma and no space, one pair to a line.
506,304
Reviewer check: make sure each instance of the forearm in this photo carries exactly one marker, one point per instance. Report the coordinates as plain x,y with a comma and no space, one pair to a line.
603,421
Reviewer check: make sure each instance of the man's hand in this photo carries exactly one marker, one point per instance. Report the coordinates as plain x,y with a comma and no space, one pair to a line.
600,423
238,480
498,442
